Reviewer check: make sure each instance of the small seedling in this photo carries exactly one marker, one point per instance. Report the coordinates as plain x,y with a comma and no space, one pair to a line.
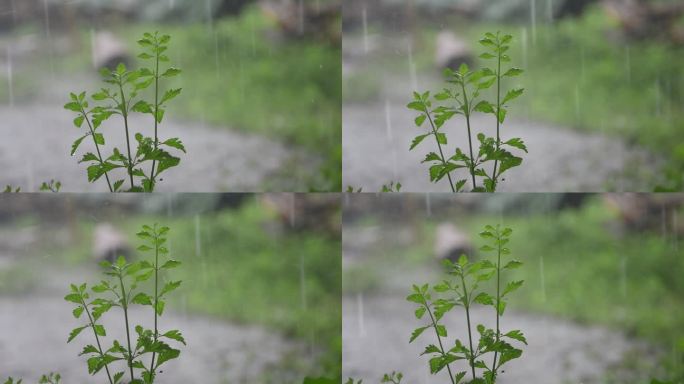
51,186
122,97
142,359
464,98
52,378
391,187
11,189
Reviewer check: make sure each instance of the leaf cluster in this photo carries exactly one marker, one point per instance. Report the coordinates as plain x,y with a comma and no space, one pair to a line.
464,97
465,290
121,290
123,96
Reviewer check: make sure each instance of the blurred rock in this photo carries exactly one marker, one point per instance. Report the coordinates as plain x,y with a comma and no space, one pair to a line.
451,243
109,243
638,212
296,19
108,51
310,212
640,19
451,51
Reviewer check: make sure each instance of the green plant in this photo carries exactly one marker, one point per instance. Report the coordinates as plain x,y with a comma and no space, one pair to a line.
51,378
465,291
121,290
11,189
123,99
465,99
391,187
51,186
394,378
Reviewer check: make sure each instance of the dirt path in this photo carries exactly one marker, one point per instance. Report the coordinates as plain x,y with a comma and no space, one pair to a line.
35,327
38,134
377,135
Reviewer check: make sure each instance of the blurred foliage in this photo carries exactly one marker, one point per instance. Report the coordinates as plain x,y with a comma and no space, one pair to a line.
250,271
238,72
580,74
591,272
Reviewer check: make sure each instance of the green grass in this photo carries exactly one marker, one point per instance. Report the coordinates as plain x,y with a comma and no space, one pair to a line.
249,274
242,75
583,280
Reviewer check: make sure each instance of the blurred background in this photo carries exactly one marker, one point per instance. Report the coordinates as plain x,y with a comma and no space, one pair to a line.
259,302
603,89
602,300
260,107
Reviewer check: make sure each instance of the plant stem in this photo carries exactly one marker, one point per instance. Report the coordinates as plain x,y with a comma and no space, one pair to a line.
441,154
156,110
498,111
156,299
97,339
124,113
97,146
124,305
466,304
439,339
498,300
466,111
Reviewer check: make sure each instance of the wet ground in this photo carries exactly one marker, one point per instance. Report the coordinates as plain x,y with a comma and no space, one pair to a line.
377,326
39,133
377,135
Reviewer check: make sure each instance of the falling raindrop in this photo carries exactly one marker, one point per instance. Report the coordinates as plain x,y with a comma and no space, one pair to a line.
428,204
582,64
293,210
365,29
623,276
388,120
549,10
300,12
302,282
657,96
360,316
542,279
523,39
172,4
216,54
412,67
577,105
533,20
675,230
48,33
628,64
198,238
10,77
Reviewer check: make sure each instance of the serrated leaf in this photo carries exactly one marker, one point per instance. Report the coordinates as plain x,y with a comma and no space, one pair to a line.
75,332
170,94
418,139
512,94
513,72
417,332
76,143
175,143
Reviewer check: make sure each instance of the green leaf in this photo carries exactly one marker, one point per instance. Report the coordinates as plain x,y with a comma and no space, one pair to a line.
78,311
75,332
99,330
170,286
512,264
487,56
175,335
484,299
121,68
76,143
502,115
484,107
420,312
166,355
170,264
441,330
175,143
73,106
142,299
463,69
160,115
517,143
513,72
431,157
142,106
417,105
416,298
170,94
512,94
516,335
89,349
78,121
171,72
511,287
417,140
441,138
99,138
417,332
160,308
420,120
73,297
